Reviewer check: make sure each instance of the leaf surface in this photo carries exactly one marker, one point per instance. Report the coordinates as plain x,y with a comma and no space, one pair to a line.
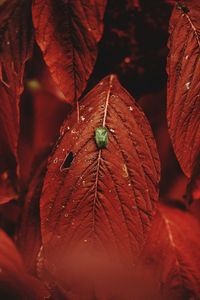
67,33
171,256
101,198
15,48
14,282
183,83
30,217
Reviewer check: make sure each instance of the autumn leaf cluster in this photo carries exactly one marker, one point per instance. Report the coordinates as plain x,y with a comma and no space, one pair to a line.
99,150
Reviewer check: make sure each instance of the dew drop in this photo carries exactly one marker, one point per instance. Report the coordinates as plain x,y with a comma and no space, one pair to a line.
186,57
83,182
82,118
101,83
85,241
187,85
130,108
129,184
55,160
68,128
63,206
112,130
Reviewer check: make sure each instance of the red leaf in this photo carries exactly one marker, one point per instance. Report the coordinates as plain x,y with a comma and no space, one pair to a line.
193,188
67,33
183,84
171,257
101,199
14,51
14,282
30,218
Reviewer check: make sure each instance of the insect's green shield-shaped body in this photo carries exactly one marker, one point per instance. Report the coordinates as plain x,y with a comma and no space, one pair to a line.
101,137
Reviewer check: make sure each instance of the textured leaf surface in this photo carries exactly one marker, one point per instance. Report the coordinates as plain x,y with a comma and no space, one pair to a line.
15,40
101,198
14,282
183,85
67,33
171,257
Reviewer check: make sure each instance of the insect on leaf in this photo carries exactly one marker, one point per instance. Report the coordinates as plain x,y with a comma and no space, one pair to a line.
104,202
101,137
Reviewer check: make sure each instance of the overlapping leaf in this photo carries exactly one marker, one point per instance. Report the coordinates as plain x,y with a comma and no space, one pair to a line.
14,282
101,199
183,84
15,41
30,218
171,257
67,33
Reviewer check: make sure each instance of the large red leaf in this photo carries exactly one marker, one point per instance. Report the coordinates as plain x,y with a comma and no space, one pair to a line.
67,33
101,198
14,51
171,257
183,84
14,282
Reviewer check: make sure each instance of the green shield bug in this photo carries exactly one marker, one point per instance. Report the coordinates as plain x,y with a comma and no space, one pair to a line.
101,137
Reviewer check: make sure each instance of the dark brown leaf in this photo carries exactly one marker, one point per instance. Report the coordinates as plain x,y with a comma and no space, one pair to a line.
183,85
95,199
67,33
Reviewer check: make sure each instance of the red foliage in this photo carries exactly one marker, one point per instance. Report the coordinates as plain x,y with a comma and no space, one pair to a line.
75,211
183,84
67,34
79,218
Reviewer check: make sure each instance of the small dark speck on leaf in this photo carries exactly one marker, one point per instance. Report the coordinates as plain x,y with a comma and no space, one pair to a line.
184,8
67,161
